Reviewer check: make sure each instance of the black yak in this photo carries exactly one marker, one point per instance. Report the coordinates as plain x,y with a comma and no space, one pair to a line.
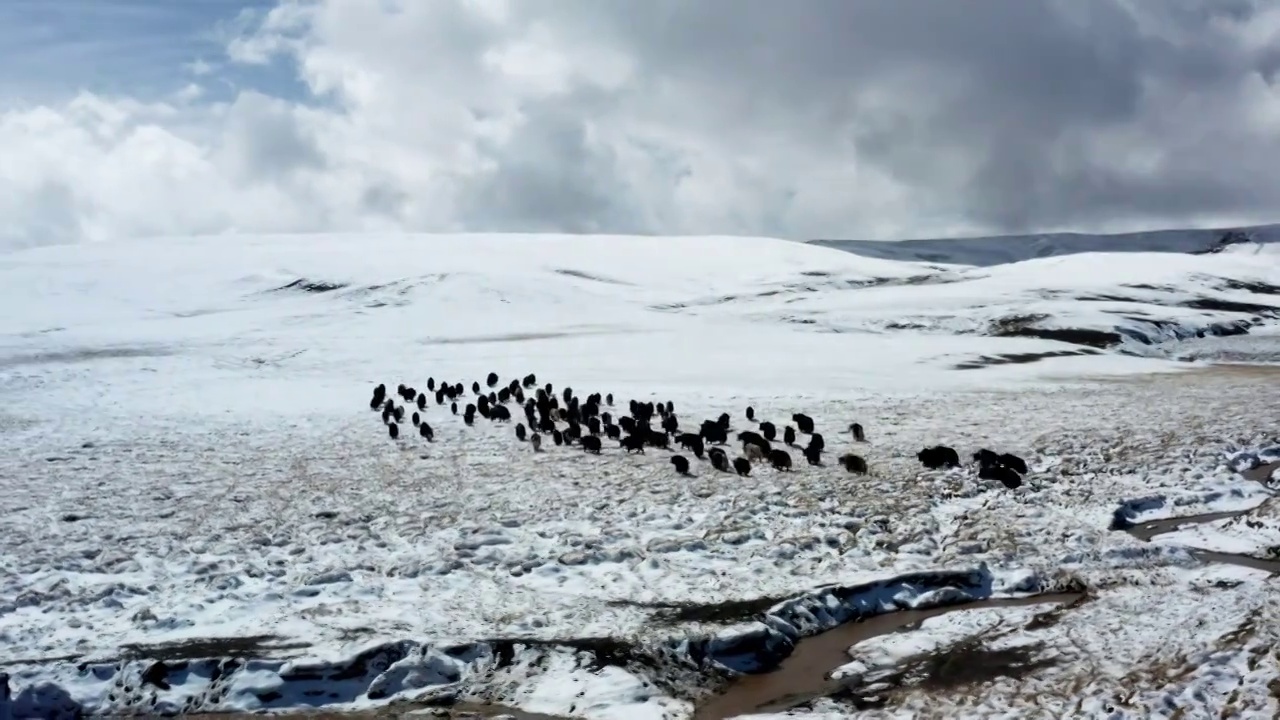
591,444
769,430
713,432
681,464
1013,462
492,379
718,459
817,443
394,430
856,430
742,465
633,443
671,424
803,422
751,413
1006,475
789,435
854,464
813,455
520,432
780,459
985,457
754,438
692,443
938,456
426,432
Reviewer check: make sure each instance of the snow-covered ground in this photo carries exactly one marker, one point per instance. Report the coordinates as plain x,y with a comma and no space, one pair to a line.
187,455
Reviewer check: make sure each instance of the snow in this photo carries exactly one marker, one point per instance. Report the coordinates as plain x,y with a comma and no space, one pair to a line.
188,456
1002,249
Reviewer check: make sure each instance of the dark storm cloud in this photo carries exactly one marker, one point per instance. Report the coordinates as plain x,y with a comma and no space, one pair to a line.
1016,92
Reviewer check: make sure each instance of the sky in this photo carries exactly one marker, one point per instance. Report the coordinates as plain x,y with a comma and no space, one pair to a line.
875,119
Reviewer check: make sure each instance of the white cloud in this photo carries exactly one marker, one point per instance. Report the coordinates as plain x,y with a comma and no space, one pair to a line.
846,119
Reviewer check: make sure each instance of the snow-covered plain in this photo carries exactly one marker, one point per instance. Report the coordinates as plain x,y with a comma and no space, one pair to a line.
187,454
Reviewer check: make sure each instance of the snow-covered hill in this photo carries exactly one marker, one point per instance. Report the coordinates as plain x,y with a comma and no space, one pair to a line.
192,474
339,302
1000,249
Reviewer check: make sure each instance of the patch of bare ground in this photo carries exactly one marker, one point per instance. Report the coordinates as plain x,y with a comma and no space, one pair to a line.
395,711
723,613
82,355
970,664
1026,326
1159,674
253,646
1241,371
1017,358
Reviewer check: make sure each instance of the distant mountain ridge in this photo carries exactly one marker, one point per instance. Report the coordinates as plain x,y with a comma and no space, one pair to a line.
1002,249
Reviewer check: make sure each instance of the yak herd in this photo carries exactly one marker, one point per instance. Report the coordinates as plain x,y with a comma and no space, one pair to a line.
567,420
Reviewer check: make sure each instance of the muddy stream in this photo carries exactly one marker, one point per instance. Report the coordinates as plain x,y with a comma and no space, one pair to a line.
804,675
1148,530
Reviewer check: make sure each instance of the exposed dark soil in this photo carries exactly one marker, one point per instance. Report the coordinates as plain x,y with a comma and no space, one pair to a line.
725,613
972,664
1099,339
516,337
1257,288
458,711
311,286
83,355
1017,358
588,276
250,646
1218,305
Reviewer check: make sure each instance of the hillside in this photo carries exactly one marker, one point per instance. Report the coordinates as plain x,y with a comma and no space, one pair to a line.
1001,249
338,299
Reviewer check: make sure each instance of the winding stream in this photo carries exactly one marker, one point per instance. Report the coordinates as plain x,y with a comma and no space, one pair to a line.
804,675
